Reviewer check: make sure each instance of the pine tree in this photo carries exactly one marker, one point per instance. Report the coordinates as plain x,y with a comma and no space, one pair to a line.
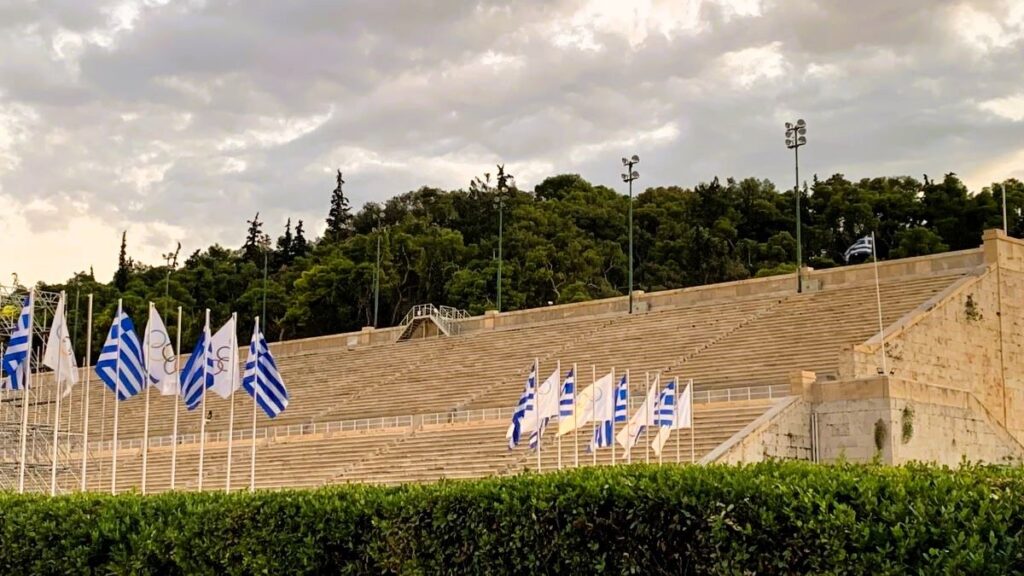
339,219
285,245
299,244
123,265
251,250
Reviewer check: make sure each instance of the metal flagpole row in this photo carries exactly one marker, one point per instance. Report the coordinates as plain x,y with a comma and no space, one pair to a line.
231,410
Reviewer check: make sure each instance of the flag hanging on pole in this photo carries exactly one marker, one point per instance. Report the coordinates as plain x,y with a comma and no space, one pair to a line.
645,415
159,354
604,405
674,413
547,406
200,363
525,411
273,396
225,360
130,379
59,352
862,248
15,357
567,400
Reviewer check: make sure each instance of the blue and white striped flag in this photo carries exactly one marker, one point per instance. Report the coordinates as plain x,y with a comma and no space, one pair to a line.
665,414
16,356
120,365
524,409
567,399
622,399
261,373
605,401
546,403
200,367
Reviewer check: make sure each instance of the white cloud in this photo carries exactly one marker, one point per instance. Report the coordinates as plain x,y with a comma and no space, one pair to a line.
1009,107
984,31
275,131
752,65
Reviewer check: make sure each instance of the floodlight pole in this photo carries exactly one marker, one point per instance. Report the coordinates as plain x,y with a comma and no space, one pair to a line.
628,178
503,180
795,138
376,276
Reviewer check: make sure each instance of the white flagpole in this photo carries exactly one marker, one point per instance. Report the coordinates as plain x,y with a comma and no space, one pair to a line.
85,397
593,411
24,392
661,452
145,418
558,367
536,406
675,415
615,400
575,432
878,298
202,409
647,419
629,433
693,427
177,384
55,454
117,401
255,405
231,411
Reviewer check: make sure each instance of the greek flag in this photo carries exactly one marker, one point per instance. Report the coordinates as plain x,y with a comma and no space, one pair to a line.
16,356
605,401
566,401
198,368
862,248
547,399
261,372
622,400
665,413
120,365
523,411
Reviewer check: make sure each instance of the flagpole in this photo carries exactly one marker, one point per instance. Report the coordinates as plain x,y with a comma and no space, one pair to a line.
675,418
117,401
202,409
647,419
593,410
231,411
693,426
661,449
536,404
575,432
145,418
614,401
255,404
558,368
24,392
56,419
629,434
85,398
878,298
177,384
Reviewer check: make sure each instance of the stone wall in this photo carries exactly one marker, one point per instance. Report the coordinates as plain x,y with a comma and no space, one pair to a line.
782,433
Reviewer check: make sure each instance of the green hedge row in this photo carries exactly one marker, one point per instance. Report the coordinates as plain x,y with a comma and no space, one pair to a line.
773,518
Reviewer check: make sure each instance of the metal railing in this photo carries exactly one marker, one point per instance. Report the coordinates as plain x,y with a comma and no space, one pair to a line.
406,421
446,316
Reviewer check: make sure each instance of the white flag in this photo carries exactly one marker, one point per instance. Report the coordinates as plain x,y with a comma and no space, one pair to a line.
225,360
159,355
59,351
644,416
604,398
682,418
585,404
547,397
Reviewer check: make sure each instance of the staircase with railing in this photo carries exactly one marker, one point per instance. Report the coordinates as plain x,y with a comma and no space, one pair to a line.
445,318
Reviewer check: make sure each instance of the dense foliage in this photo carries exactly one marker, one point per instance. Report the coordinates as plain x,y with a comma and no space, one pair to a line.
773,518
565,241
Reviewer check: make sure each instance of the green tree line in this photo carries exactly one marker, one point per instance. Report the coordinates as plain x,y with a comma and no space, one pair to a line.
564,241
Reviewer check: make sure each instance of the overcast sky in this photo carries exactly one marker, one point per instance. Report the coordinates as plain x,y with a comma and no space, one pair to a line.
179,120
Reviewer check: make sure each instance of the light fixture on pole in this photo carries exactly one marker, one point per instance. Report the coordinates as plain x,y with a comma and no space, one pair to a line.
795,138
376,274
504,180
628,177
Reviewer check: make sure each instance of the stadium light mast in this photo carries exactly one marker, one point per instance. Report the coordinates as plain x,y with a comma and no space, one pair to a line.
376,275
628,177
795,138
503,183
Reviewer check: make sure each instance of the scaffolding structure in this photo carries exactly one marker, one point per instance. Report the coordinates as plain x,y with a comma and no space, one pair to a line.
40,400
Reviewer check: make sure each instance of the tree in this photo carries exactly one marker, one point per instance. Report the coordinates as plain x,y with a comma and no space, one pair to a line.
286,245
339,219
124,265
252,249
299,244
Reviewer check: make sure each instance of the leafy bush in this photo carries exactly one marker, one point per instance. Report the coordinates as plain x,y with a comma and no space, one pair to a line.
773,518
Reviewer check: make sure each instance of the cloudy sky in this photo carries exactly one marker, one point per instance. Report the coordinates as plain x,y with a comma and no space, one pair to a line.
179,120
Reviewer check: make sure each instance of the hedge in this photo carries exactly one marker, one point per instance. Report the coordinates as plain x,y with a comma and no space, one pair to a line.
772,518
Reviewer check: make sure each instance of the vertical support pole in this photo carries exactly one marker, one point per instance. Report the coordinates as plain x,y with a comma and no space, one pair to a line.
177,383
55,453
255,404
145,418
26,386
117,399
202,409
231,411
85,399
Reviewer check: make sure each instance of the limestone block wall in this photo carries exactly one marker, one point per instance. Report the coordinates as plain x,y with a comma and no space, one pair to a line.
948,435
782,433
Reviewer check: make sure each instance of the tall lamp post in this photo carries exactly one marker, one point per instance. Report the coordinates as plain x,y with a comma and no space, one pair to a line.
795,138
503,184
628,178
376,275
